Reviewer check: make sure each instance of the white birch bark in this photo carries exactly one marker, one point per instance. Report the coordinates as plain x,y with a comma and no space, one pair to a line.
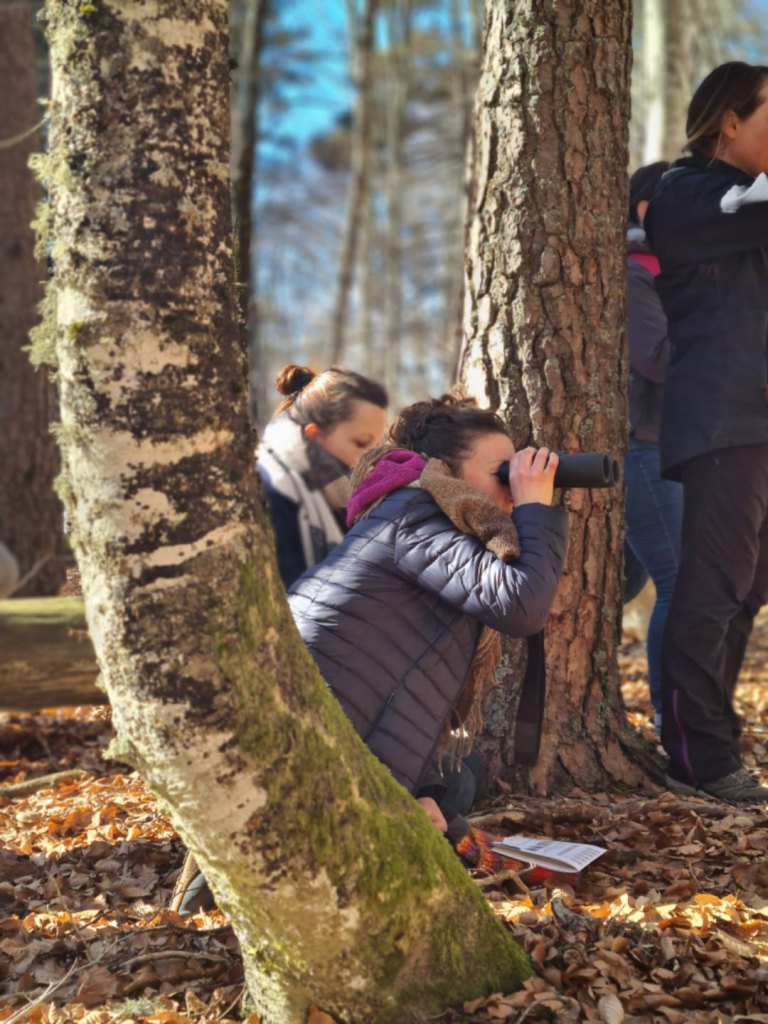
341,892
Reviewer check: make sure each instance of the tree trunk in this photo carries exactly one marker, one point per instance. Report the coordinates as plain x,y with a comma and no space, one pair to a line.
464,85
397,74
30,513
667,61
544,322
48,658
361,31
245,134
340,890
678,75
654,93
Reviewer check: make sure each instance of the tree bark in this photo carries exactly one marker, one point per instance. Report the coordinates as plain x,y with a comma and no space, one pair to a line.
398,61
654,92
48,658
340,890
30,513
363,46
245,123
544,323
678,75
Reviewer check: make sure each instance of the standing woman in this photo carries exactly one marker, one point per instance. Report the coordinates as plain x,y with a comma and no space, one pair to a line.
319,431
708,225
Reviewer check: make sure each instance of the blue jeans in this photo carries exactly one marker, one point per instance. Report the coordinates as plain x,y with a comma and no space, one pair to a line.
654,515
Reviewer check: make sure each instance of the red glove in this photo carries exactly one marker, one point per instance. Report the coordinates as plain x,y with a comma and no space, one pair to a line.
476,847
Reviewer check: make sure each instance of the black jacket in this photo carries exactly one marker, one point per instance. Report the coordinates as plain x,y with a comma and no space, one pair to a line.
648,342
393,615
714,290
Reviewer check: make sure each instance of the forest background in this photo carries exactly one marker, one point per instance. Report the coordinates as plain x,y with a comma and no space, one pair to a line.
398,105
357,234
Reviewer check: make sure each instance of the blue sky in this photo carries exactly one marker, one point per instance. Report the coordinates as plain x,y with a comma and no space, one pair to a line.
315,108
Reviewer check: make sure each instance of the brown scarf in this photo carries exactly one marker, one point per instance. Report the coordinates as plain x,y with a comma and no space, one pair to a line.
474,514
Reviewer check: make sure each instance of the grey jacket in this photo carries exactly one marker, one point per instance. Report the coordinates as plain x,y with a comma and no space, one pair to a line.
648,344
393,615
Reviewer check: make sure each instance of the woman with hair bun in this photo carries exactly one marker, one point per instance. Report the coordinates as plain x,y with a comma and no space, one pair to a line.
708,226
403,617
319,431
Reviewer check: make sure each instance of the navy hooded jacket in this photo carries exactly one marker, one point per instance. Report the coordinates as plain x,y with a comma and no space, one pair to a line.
393,615
708,226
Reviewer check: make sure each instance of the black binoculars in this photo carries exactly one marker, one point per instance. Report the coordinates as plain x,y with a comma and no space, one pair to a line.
582,469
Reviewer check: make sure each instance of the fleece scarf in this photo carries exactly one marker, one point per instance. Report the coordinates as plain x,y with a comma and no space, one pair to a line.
315,481
385,469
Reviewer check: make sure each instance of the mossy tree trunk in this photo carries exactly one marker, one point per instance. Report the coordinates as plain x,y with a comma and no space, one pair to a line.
340,890
544,336
30,513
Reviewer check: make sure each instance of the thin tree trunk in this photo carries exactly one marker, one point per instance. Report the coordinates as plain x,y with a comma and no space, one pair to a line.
654,93
340,890
245,123
30,513
365,330
361,29
545,330
398,72
678,75
465,83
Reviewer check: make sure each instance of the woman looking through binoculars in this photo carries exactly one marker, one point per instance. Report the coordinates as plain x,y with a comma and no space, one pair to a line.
403,617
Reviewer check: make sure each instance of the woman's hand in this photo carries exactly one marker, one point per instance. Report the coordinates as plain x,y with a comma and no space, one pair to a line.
532,476
434,813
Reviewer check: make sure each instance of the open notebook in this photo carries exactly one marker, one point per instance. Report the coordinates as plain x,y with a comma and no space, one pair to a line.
549,853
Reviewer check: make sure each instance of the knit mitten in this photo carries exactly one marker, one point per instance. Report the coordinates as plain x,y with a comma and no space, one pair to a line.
476,847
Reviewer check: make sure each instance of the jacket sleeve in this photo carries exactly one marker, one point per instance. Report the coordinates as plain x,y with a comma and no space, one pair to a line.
284,516
717,219
513,598
646,326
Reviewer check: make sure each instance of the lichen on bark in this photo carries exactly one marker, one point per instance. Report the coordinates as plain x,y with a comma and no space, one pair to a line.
341,892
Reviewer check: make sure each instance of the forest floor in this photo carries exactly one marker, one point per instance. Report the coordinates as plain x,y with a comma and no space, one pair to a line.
669,925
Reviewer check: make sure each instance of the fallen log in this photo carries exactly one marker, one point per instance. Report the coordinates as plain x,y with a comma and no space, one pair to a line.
46,656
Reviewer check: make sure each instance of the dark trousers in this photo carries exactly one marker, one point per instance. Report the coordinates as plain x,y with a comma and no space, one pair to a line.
721,584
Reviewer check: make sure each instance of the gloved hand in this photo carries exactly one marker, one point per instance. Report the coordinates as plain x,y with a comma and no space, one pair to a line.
476,847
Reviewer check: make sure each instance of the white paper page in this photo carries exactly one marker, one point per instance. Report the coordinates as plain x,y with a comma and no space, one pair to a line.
560,856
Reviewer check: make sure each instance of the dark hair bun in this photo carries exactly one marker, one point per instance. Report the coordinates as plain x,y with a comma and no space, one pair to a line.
415,420
293,378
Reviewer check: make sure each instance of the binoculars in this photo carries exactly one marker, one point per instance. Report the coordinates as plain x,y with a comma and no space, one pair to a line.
582,469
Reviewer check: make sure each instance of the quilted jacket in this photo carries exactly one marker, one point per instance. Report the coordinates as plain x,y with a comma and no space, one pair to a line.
393,615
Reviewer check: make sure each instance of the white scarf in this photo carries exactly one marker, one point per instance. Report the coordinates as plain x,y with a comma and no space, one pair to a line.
311,478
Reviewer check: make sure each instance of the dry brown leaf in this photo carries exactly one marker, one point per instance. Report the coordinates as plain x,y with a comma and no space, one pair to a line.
100,1016
319,1017
96,985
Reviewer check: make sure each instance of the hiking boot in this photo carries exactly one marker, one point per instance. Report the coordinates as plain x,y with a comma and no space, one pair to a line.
738,787
198,897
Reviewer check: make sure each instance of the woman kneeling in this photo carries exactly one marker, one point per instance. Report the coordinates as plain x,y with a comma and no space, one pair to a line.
403,618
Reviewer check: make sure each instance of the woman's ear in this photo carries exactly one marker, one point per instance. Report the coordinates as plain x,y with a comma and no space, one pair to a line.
312,431
730,124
